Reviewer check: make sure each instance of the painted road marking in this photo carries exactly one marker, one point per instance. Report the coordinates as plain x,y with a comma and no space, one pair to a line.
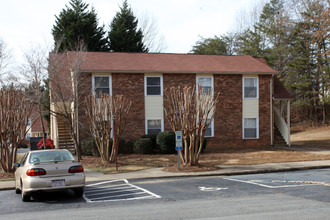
211,189
116,190
258,182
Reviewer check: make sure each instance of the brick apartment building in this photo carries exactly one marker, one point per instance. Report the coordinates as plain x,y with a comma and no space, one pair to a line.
248,87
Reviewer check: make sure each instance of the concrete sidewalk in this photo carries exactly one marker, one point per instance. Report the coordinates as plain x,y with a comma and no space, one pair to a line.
226,170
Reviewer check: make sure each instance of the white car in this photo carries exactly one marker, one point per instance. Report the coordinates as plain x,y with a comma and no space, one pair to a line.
48,170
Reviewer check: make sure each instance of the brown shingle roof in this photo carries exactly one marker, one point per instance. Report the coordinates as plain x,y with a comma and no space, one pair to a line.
280,91
172,63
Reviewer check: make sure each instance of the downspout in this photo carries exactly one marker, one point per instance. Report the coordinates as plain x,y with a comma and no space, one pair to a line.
271,111
288,121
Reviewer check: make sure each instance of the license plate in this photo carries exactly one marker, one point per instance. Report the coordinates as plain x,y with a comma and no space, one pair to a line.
58,183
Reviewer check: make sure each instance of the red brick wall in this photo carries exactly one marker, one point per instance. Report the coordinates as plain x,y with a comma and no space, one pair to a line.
228,118
131,86
264,110
85,89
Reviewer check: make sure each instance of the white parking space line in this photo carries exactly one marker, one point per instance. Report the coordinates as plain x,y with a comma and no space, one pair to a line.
268,186
116,190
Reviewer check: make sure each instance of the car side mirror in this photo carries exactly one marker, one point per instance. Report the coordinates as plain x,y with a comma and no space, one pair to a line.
17,165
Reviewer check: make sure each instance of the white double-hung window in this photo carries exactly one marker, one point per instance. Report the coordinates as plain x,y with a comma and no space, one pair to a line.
250,107
206,84
153,85
101,84
154,126
250,130
250,87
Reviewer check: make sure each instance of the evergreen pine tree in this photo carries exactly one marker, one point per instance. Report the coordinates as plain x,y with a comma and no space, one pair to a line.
124,36
76,25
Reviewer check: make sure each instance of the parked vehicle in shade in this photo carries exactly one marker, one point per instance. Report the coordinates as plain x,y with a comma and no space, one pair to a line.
48,170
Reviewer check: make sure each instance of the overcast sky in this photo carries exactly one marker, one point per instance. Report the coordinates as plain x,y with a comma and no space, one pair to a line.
180,22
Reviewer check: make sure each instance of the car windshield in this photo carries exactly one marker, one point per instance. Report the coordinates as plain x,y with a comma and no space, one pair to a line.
50,156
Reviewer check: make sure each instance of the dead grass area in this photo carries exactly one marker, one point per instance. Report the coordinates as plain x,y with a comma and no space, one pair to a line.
6,176
318,137
208,161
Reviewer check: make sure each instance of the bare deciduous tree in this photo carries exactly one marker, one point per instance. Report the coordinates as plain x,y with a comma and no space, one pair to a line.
15,110
5,59
34,72
67,86
152,38
192,113
101,110
99,115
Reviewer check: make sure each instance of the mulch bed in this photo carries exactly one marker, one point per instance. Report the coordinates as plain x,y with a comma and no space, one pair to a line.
187,168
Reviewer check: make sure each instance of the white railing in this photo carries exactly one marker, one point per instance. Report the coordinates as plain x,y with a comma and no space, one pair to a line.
282,126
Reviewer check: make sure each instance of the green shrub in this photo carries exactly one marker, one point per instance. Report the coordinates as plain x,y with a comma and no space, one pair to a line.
143,146
88,147
121,146
152,138
129,147
166,142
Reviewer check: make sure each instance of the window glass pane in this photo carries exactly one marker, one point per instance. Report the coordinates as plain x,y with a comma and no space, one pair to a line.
102,90
250,123
250,87
154,124
206,84
206,90
250,92
250,133
153,90
250,128
154,131
208,132
205,81
153,85
101,82
249,82
153,81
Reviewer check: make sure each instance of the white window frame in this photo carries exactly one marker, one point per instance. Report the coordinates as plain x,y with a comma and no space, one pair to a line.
257,85
212,84
149,119
110,83
257,128
212,129
145,84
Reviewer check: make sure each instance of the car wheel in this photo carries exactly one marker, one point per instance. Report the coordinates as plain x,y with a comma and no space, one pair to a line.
78,192
25,197
17,191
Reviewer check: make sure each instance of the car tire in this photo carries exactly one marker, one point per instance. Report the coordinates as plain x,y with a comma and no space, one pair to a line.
25,197
78,192
18,191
